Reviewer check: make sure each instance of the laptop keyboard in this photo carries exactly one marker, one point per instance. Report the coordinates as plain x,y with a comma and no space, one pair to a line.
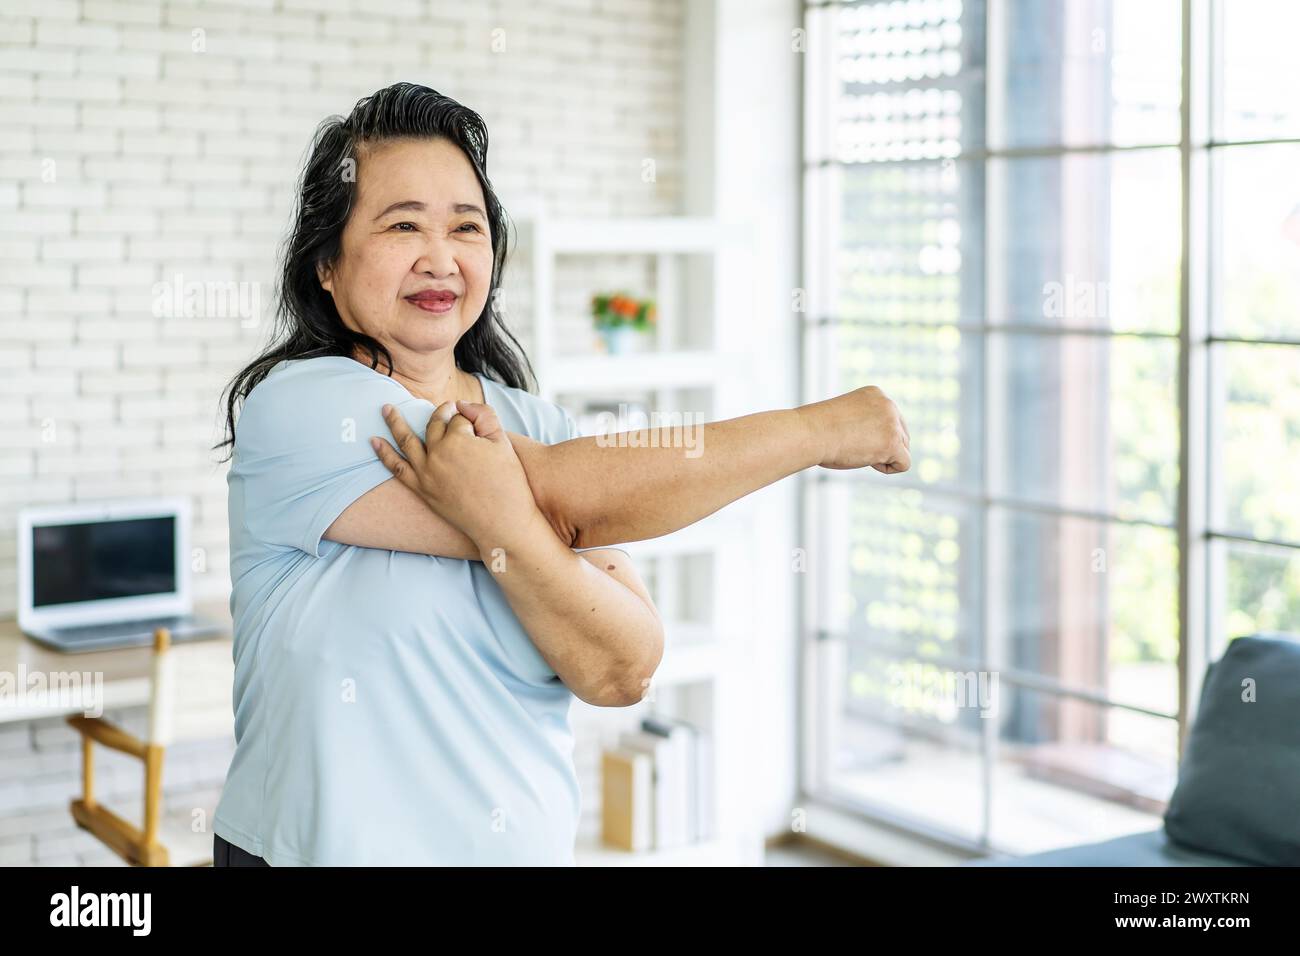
128,633
122,627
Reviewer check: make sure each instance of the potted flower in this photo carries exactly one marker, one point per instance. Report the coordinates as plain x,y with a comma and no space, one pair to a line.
623,321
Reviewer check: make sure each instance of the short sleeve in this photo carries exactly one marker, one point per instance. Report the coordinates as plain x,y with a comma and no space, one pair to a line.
601,547
302,446
571,425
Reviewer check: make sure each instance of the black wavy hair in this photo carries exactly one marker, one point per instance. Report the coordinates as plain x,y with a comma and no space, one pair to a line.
307,323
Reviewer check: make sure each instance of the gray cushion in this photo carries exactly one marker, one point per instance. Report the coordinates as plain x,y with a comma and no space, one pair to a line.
1138,849
1239,780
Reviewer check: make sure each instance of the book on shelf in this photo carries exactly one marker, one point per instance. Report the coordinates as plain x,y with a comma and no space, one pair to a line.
669,786
627,799
698,746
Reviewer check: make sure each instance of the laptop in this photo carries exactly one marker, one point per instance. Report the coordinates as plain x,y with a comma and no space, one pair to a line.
100,575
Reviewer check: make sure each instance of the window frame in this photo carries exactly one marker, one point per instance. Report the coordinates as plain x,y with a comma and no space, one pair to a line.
1200,396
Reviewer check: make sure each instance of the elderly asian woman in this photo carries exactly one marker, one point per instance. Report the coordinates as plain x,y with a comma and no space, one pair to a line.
422,562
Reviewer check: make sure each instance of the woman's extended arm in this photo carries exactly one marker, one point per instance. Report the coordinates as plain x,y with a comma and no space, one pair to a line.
595,493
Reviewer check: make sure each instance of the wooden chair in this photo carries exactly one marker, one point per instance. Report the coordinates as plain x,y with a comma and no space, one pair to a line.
142,846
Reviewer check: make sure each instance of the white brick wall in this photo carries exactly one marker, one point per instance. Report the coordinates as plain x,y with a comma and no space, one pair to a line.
127,159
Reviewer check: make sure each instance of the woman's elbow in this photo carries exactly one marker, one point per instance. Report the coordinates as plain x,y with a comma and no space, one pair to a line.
629,682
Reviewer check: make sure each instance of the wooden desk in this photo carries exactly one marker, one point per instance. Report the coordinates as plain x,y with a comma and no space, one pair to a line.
204,676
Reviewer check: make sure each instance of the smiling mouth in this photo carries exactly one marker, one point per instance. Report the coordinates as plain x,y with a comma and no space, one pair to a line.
433,303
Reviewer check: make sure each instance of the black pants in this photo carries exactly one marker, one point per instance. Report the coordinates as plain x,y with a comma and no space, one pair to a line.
227,854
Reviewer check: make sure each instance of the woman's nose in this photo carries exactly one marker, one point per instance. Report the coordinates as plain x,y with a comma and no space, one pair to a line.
438,258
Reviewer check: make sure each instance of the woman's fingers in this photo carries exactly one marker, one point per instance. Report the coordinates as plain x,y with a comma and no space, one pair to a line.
486,423
470,418
438,419
459,423
414,453
395,463
407,441
443,418
896,465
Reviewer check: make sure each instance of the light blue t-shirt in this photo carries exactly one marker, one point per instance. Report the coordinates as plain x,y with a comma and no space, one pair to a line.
389,707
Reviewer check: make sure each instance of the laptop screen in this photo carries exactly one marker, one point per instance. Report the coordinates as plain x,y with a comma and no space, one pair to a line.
98,560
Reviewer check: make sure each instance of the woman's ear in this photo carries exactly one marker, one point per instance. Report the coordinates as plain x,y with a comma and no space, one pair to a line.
325,275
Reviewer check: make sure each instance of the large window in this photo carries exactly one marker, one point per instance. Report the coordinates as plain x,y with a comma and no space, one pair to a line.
1064,235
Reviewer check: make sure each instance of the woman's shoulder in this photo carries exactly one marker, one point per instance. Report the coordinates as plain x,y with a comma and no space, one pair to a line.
325,366
319,378
327,386
298,398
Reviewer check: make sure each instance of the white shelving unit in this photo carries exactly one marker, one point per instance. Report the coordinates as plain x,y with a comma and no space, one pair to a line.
699,574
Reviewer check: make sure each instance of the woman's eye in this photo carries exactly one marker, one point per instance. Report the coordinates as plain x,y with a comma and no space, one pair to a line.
398,226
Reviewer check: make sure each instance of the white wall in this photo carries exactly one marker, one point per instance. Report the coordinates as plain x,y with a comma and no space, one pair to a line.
168,162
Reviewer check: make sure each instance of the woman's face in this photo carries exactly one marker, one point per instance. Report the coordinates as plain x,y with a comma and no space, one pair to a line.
419,222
